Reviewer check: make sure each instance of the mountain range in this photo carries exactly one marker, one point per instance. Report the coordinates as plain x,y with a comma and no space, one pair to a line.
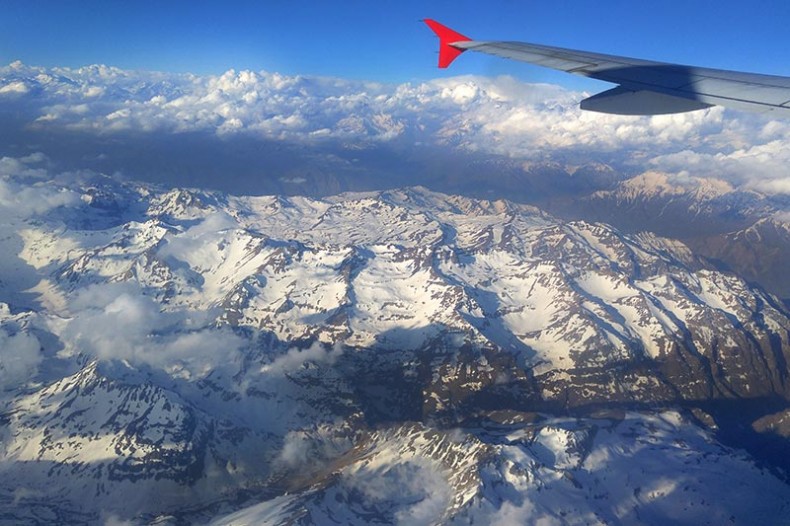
178,356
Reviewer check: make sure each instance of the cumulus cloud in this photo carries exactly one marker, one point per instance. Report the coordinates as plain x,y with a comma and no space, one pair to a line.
23,200
763,167
416,491
195,240
510,514
500,116
782,217
296,357
308,450
23,167
20,356
116,321
297,448
16,87
25,188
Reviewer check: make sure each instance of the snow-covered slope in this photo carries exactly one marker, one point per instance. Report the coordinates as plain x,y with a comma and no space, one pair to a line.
639,469
391,356
737,229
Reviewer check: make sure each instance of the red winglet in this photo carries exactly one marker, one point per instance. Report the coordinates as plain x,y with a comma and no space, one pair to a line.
447,53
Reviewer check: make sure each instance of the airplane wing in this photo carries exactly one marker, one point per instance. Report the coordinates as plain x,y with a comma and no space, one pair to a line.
644,87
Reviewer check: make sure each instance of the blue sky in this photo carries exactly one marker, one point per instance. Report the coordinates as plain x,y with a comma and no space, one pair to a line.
384,40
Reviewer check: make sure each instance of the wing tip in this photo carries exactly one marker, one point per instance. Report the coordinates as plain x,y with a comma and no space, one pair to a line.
447,36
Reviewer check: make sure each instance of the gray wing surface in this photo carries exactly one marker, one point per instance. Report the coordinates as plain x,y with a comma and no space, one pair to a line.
644,87
671,87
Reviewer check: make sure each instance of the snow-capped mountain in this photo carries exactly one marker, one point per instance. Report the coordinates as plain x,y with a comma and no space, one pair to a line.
638,469
758,252
737,229
397,356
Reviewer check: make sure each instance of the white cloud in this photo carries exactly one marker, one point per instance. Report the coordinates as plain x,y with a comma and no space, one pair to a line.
195,244
779,185
296,450
510,514
296,357
763,167
27,200
782,217
23,167
17,87
23,199
493,115
416,489
306,450
117,321
20,355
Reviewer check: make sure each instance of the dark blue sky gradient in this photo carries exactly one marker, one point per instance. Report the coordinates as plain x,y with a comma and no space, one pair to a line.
384,40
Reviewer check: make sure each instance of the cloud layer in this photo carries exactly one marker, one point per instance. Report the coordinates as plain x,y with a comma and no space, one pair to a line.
495,116
345,126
